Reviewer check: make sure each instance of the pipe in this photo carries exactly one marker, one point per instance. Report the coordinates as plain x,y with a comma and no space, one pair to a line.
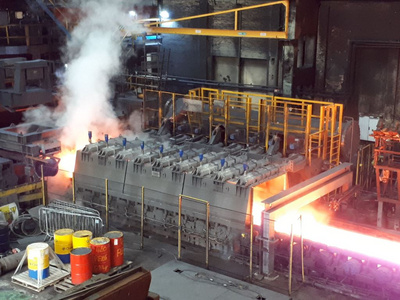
73,188
106,184
179,227
302,247
358,166
142,221
43,187
251,247
11,262
207,233
291,259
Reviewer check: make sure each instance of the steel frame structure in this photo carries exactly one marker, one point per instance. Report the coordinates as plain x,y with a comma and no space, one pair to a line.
386,158
155,27
293,199
261,113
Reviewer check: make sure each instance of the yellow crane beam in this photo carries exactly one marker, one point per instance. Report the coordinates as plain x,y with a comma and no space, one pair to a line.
156,27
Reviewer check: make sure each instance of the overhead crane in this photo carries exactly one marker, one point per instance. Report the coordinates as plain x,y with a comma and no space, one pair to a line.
157,27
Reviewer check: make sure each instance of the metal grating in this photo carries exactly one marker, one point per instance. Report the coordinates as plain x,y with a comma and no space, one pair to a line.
60,214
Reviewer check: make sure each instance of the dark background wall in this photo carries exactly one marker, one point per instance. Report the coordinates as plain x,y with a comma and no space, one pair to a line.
357,55
224,59
189,54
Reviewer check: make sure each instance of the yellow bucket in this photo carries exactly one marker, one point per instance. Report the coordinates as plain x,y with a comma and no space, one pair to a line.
81,239
63,243
38,260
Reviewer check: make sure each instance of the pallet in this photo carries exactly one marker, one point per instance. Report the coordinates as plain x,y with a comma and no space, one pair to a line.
24,280
64,285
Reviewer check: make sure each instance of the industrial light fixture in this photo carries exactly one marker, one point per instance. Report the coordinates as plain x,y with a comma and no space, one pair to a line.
132,13
164,15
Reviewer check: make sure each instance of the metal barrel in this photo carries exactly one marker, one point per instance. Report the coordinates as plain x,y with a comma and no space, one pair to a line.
38,260
81,265
81,239
117,247
101,255
4,238
63,244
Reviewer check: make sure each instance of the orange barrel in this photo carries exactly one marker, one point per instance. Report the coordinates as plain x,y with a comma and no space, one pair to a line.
117,247
38,260
81,265
81,239
63,243
101,254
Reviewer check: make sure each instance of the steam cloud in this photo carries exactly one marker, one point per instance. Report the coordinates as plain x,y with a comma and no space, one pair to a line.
93,58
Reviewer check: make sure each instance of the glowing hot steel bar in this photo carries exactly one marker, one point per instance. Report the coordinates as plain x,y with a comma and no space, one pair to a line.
290,201
316,231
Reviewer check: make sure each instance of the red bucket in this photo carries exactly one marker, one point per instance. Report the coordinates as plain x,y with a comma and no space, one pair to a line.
81,265
101,254
117,247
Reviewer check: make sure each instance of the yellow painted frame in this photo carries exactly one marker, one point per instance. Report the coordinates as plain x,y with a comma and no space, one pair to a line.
155,28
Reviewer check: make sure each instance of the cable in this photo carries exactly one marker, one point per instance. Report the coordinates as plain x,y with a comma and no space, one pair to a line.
20,228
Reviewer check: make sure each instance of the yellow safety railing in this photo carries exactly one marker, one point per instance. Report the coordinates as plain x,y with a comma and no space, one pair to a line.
318,124
289,118
26,35
316,145
161,26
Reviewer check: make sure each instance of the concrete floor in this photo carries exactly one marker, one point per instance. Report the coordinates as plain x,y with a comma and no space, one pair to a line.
160,258
181,281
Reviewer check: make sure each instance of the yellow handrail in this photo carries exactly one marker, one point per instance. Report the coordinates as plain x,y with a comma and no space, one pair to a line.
253,114
155,27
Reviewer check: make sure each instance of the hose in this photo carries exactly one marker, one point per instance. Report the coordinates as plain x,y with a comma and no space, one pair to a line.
21,226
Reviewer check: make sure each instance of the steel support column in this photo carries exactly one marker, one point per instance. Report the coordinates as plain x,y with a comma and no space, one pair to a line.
294,199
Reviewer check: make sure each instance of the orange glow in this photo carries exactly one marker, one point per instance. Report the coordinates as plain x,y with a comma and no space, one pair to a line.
67,161
258,208
316,231
264,191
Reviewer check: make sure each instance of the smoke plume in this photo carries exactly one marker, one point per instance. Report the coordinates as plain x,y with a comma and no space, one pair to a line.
92,56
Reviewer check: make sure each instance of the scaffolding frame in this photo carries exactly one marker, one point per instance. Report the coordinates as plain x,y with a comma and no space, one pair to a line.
259,116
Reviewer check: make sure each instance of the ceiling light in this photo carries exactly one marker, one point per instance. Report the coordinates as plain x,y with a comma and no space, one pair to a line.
164,14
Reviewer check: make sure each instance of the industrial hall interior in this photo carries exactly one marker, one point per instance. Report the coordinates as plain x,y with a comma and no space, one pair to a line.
195,150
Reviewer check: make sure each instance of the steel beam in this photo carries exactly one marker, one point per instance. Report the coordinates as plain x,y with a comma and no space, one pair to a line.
344,180
156,27
53,17
306,186
21,189
294,199
221,32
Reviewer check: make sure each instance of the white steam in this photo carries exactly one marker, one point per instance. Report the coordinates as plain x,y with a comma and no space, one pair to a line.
93,58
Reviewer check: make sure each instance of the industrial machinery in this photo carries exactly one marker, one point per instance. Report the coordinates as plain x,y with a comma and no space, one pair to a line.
26,153
225,176
24,83
210,177
209,149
